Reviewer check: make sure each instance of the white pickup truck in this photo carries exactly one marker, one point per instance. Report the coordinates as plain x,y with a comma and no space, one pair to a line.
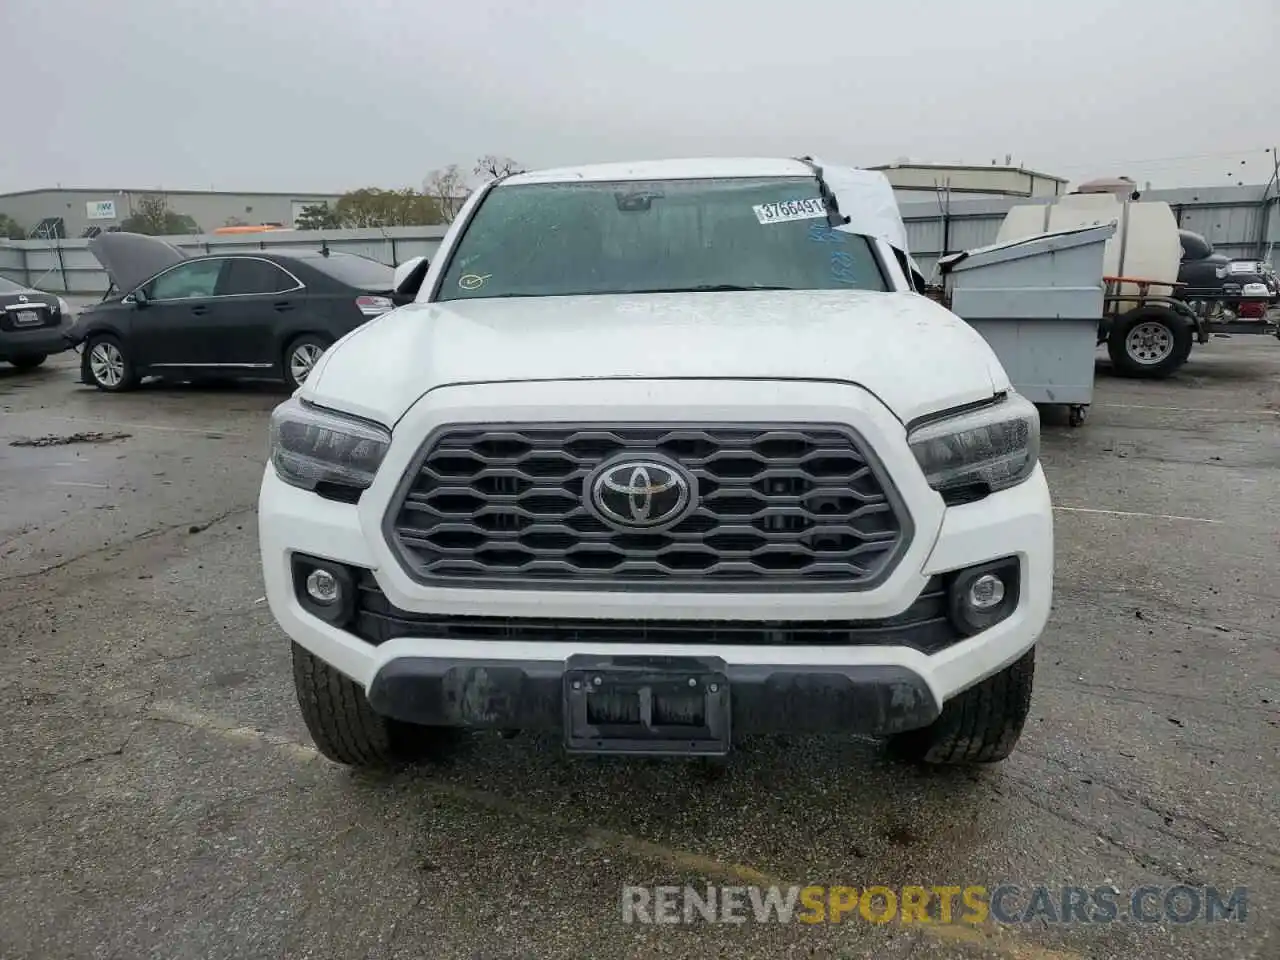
661,455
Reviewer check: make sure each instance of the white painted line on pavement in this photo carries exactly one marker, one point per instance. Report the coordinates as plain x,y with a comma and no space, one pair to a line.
1150,406
77,483
1132,513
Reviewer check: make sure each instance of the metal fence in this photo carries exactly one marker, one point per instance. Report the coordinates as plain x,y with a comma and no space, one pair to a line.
1239,221
67,266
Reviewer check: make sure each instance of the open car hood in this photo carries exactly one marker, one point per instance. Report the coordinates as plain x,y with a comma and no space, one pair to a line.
131,258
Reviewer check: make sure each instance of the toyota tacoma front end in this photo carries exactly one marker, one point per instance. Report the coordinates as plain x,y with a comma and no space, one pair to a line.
663,454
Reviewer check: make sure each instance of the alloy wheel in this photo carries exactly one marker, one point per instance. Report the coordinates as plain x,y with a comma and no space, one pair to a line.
303,359
106,364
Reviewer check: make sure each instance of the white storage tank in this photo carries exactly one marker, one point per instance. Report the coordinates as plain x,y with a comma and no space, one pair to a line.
1146,244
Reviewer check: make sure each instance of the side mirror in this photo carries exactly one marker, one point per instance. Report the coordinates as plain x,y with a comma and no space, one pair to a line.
140,297
408,280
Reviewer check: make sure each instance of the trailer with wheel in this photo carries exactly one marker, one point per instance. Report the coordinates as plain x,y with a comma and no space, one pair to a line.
1152,317
1147,335
1150,335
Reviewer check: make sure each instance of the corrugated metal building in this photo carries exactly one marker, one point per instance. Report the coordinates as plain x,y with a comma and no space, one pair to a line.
37,211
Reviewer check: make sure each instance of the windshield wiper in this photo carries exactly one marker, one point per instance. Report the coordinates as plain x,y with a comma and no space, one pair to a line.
708,288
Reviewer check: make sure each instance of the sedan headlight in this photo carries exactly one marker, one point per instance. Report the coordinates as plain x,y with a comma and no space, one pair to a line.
969,455
312,446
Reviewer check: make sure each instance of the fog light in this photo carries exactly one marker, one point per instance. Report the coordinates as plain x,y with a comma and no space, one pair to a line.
325,588
984,593
322,587
982,596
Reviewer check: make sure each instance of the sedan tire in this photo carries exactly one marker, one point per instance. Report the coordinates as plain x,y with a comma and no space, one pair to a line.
106,365
301,356
29,362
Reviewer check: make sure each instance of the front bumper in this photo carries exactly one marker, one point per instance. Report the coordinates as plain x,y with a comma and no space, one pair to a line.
762,698
876,685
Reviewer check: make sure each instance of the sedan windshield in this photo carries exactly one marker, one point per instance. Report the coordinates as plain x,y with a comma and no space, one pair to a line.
565,239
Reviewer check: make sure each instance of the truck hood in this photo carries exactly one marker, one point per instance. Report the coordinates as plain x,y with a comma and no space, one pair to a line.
913,354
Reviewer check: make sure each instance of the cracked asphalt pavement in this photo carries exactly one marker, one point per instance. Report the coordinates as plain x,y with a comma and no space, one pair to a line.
159,796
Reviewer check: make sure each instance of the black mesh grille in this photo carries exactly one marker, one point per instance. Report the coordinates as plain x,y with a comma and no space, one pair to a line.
923,626
777,505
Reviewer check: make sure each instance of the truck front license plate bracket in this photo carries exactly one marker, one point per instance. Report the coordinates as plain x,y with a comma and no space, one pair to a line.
647,706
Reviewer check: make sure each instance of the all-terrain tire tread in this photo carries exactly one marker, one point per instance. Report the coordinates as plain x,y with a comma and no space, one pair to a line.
980,725
342,724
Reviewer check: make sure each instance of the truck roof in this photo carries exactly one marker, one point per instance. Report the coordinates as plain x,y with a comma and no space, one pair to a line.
688,169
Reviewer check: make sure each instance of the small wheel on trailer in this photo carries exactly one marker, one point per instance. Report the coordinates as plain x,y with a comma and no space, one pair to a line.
1077,414
1150,342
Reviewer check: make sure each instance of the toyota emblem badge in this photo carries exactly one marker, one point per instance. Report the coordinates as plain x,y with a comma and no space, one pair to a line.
641,493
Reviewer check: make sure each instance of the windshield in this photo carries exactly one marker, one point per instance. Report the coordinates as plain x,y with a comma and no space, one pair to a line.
564,239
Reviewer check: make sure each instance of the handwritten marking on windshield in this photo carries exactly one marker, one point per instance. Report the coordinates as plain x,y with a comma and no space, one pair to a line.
473,281
841,262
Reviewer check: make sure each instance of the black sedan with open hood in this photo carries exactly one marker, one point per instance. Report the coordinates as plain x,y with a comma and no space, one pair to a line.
242,314
33,324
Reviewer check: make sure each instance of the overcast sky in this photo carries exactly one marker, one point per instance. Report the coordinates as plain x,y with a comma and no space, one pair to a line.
322,95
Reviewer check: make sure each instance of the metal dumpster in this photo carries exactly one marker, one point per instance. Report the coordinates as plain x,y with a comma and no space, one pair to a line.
1038,302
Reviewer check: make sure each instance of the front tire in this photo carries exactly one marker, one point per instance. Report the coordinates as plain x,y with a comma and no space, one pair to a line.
1149,343
980,725
30,362
346,729
107,366
301,356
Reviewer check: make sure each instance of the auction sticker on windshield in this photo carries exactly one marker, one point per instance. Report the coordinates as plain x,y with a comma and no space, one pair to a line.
809,209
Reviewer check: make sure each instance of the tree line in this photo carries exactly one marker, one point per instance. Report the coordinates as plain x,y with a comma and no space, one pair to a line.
442,195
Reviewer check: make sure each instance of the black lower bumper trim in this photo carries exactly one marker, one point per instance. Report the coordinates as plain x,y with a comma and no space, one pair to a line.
530,695
924,626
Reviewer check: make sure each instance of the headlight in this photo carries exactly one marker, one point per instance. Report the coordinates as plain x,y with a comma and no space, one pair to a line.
312,446
972,454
